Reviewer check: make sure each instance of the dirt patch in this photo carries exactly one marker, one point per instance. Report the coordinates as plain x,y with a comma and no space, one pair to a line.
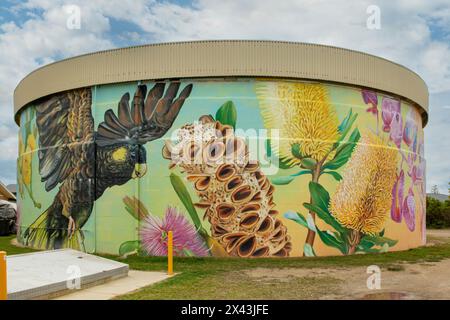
403,281
398,281
441,233
283,285
437,236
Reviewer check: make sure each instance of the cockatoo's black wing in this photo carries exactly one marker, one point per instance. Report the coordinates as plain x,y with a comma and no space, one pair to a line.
66,154
149,117
66,130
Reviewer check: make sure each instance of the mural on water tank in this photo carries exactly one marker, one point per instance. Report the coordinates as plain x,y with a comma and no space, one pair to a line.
68,145
248,168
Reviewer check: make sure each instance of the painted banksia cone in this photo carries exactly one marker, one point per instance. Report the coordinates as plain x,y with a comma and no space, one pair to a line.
235,194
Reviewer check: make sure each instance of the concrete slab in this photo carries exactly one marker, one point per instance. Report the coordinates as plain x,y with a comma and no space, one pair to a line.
109,290
43,275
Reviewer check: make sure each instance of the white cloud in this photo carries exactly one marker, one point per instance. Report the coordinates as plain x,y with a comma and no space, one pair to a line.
9,147
40,40
408,35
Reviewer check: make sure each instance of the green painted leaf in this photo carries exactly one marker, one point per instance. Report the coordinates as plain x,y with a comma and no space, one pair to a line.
282,180
188,253
326,216
347,124
300,173
308,250
129,247
344,122
363,248
297,217
319,195
296,152
268,149
343,152
334,174
227,114
185,197
379,240
282,163
330,240
384,248
365,245
308,163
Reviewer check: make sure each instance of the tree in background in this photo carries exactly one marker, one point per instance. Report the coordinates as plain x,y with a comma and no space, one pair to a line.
435,189
438,213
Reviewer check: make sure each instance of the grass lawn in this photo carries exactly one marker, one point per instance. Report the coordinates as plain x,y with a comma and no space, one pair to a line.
5,245
215,278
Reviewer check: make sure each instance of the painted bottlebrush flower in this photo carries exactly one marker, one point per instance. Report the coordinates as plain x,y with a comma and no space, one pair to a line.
363,196
392,119
397,197
303,114
154,232
370,98
409,210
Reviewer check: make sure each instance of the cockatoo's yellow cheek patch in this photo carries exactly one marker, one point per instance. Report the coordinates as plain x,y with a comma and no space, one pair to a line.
120,154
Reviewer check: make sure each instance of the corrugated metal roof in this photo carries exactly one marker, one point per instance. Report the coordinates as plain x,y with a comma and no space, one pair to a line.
240,58
5,193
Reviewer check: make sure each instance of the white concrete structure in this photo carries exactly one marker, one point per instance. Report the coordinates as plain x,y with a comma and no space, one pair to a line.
47,274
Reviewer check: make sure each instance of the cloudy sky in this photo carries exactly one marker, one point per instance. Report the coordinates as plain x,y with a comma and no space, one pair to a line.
415,33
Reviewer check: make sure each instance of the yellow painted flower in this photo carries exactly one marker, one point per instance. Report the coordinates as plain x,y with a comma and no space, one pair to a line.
363,197
27,158
31,142
19,165
21,146
304,116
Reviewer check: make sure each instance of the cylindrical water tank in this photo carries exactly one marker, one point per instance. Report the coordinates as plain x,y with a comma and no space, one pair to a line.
241,148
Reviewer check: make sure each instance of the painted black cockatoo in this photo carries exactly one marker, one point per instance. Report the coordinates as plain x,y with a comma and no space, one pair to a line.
84,163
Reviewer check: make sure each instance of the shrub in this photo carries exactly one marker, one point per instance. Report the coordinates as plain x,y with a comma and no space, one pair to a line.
438,214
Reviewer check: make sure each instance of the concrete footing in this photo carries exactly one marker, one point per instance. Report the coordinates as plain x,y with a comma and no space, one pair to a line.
49,274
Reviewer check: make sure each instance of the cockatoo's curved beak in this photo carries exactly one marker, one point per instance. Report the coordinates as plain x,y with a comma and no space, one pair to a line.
140,169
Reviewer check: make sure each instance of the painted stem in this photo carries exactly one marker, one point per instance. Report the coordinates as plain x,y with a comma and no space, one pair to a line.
315,178
30,193
354,240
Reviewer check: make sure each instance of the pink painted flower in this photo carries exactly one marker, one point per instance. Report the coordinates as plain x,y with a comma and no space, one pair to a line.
396,130
392,119
186,241
411,128
409,210
389,107
371,99
417,173
420,150
397,198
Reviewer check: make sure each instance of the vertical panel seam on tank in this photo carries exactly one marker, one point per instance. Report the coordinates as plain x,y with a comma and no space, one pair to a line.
139,202
94,112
